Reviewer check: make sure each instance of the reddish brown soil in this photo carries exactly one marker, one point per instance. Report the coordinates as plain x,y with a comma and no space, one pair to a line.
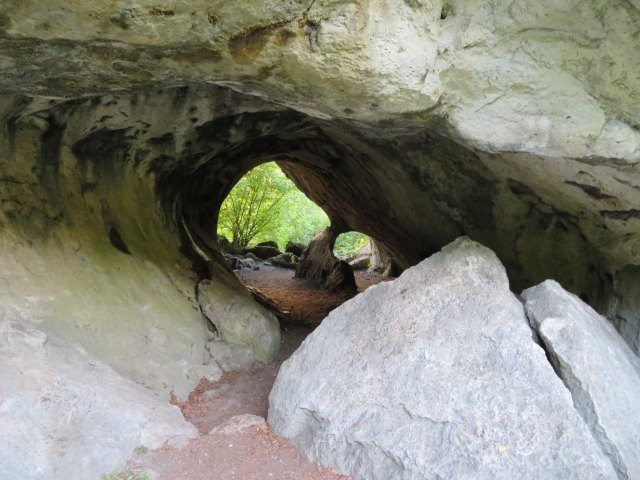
254,453
301,298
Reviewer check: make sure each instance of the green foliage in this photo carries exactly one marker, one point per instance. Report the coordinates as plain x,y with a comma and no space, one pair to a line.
266,205
141,450
299,220
347,244
253,206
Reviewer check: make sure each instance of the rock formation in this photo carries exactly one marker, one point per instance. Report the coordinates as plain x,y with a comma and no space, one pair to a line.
436,375
320,264
264,252
237,318
285,260
123,128
361,260
598,368
65,415
295,248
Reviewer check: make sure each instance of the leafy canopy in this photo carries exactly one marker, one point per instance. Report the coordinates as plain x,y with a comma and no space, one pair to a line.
266,205
348,243
253,205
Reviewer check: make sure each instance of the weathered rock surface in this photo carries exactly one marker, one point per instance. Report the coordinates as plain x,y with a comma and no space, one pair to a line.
124,310
236,424
230,356
263,252
389,136
240,263
251,256
65,414
623,307
362,258
433,375
238,318
123,128
320,264
597,366
285,260
361,263
295,248
382,261
481,62
268,243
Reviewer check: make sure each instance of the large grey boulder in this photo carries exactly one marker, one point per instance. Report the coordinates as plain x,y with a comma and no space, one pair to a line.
66,415
263,252
434,375
295,248
598,367
285,260
238,318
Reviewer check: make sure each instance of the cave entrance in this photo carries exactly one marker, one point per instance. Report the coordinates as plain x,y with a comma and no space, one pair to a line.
351,246
265,214
264,225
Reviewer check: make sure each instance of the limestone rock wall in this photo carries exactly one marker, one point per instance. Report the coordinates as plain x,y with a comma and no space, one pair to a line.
125,126
67,415
134,180
91,251
543,74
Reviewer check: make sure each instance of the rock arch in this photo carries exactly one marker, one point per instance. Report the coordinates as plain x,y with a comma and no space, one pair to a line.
518,126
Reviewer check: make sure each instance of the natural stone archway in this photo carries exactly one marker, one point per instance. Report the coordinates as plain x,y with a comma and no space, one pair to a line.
124,128
144,175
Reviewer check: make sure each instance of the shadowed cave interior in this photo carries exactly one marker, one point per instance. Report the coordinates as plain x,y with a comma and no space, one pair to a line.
485,147
148,166
118,196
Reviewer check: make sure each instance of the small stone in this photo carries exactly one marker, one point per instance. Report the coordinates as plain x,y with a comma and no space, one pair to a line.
236,424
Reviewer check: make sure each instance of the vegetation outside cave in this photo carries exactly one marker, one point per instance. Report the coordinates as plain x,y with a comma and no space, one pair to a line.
265,205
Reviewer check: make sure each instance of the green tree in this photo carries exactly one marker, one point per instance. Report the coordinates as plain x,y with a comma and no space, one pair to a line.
299,219
252,207
266,205
348,243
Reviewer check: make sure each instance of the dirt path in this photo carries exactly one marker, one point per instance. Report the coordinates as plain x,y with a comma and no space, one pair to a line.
301,298
252,453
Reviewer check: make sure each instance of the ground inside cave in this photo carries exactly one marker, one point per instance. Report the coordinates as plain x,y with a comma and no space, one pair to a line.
253,453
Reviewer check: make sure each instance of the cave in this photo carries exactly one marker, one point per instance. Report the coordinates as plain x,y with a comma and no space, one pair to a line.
124,129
